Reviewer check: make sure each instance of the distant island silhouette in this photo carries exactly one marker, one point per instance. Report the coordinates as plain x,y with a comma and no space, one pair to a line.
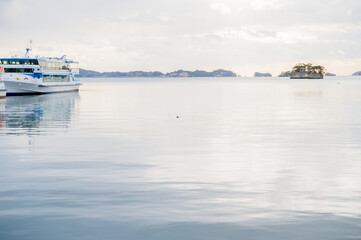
330,75
179,73
258,74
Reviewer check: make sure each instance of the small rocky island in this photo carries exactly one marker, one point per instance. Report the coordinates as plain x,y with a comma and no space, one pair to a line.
258,74
357,74
307,71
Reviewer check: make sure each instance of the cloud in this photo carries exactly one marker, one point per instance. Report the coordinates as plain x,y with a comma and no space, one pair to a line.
267,35
267,4
222,7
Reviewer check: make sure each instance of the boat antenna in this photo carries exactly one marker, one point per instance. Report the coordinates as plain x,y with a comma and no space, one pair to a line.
28,49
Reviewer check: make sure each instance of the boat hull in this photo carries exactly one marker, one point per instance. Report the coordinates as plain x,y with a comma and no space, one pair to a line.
2,90
21,88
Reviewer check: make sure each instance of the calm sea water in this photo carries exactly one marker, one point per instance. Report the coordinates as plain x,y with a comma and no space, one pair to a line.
245,159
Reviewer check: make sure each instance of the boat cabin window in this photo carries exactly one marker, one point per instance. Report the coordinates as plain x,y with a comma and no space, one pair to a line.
19,62
14,62
19,70
54,65
56,78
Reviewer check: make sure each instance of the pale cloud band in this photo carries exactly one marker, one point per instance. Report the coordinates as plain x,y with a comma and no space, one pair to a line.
244,36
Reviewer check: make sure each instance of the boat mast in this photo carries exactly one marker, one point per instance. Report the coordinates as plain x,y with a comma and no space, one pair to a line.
28,49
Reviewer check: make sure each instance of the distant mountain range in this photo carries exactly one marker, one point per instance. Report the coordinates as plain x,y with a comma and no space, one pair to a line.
179,73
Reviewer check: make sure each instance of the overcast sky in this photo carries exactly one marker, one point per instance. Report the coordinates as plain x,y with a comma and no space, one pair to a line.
166,35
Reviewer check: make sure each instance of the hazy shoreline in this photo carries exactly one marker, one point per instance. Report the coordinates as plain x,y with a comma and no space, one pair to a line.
84,73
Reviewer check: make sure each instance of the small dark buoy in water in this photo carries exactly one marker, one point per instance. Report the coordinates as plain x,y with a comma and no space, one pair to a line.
177,116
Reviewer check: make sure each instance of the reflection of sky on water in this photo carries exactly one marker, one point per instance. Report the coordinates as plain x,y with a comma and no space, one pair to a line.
252,159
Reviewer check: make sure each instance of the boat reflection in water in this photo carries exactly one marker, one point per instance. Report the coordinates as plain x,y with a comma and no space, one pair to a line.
37,115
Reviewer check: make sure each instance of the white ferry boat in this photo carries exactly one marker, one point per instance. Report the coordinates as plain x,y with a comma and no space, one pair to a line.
38,75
